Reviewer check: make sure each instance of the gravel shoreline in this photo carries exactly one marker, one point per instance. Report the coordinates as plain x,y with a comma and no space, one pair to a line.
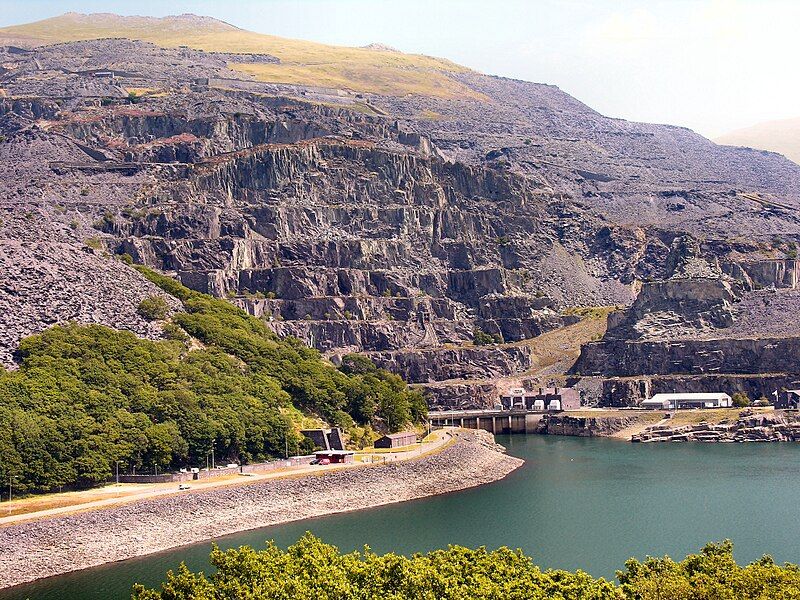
54,546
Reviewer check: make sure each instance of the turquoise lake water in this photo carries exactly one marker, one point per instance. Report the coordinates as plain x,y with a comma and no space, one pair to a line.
576,503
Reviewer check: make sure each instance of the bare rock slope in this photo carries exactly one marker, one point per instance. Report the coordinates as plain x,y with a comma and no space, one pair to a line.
398,225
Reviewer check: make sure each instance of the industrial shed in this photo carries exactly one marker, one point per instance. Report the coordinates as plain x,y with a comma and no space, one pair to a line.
688,400
397,440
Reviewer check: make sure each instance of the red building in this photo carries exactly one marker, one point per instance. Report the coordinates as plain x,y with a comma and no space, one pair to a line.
336,456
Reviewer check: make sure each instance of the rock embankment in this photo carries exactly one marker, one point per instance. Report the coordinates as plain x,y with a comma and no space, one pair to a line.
600,426
747,428
50,547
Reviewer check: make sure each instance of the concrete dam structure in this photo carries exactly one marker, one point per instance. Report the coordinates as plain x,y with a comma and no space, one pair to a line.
493,421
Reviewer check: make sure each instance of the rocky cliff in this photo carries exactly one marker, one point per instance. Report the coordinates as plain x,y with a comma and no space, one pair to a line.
398,225
705,328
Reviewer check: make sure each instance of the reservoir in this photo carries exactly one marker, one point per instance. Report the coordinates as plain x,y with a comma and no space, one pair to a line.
577,503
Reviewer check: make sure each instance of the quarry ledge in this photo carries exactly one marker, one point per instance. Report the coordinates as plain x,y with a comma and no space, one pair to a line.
53,546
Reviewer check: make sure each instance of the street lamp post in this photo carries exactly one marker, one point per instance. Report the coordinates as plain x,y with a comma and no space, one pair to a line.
10,479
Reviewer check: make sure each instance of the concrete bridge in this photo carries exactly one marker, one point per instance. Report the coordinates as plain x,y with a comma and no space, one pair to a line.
494,421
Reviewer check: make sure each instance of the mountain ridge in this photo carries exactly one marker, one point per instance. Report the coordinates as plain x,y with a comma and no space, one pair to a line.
411,226
781,136
301,62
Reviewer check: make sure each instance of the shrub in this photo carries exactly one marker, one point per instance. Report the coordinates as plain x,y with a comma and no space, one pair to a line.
482,338
94,243
153,308
174,332
740,400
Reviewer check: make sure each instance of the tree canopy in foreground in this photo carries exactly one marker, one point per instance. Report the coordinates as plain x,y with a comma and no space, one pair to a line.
311,569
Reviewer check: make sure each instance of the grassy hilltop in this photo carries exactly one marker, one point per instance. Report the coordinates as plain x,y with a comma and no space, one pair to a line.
373,70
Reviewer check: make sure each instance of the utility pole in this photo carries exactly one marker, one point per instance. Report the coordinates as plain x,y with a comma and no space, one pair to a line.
213,463
117,472
286,443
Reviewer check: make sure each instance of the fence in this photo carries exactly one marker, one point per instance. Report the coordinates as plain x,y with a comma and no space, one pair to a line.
294,461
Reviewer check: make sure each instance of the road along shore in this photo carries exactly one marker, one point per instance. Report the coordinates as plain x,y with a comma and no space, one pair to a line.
47,547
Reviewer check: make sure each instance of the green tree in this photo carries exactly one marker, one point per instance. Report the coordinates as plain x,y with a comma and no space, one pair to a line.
312,569
481,338
86,396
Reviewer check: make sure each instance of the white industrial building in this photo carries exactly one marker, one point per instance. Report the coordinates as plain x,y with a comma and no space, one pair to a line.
688,400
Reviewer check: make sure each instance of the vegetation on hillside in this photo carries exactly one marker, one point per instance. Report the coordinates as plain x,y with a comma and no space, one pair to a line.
312,569
301,62
86,396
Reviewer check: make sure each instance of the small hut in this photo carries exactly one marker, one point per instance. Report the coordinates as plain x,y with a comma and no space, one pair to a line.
397,440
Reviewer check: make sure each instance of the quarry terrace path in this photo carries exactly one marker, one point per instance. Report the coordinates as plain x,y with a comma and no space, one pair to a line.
52,545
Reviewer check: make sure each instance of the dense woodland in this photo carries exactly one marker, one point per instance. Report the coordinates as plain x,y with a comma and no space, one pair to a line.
86,396
312,569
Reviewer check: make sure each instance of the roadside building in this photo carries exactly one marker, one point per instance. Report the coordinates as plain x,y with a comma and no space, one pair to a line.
558,398
788,399
688,400
336,456
397,440
657,403
554,398
513,398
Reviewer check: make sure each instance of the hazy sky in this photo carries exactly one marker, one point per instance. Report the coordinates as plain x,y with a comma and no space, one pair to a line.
712,65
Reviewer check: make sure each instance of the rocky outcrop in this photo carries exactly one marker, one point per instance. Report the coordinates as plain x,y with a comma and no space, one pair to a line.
440,364
706,328
45,284
460,395
715,356
585,426
779,427
779,273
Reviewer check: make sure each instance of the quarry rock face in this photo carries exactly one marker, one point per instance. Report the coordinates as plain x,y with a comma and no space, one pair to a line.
397,226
